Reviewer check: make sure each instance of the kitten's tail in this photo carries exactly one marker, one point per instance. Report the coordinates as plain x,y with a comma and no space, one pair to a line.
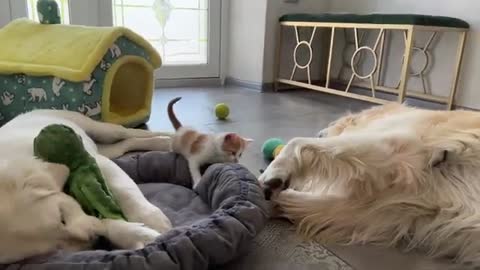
171,114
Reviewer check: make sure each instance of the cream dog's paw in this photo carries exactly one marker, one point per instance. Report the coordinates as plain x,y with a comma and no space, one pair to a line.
155,218
128,235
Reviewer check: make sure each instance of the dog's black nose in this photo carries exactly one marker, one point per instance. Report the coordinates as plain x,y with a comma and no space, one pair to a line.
272,185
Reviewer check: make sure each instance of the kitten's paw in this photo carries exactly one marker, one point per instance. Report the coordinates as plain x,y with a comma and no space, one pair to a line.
274,180
128,235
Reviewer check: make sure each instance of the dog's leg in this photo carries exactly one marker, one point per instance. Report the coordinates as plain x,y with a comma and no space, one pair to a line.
132,202
84,228
128,235
343,219
387,220
111,133
362,157
361,119
291,203
297,206
106,132
123,234
134,144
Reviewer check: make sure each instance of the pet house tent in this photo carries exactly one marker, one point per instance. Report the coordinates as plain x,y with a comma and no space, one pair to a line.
104,72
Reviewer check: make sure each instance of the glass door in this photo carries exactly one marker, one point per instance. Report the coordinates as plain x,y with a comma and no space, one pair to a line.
186,33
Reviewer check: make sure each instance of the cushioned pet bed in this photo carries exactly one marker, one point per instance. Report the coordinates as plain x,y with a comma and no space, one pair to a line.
213,224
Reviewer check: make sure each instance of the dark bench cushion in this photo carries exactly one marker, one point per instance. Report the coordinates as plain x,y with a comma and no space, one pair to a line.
408,19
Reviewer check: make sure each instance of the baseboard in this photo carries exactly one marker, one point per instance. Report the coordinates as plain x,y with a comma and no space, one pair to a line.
171,83
262,87
258,86
459,107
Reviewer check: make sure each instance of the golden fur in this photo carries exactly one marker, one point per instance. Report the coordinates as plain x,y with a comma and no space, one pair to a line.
392,175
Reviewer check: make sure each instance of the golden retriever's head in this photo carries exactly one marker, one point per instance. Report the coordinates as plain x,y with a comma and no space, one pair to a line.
35,215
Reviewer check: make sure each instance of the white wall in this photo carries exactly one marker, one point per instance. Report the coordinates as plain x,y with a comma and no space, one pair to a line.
252,36
275,9
4,12
469,87
246,39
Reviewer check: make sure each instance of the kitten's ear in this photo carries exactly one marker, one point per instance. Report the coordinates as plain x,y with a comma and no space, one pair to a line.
230,137
248,140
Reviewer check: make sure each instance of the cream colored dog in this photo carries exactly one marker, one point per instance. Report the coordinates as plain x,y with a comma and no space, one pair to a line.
36,217
389,175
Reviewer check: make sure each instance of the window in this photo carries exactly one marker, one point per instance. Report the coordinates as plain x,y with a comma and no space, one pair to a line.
62,5
176,28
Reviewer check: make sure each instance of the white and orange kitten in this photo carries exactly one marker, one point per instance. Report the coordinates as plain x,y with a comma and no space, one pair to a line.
201,149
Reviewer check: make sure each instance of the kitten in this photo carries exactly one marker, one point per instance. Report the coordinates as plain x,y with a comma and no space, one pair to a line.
201,149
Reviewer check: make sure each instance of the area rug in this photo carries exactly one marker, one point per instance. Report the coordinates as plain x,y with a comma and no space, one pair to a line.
279,247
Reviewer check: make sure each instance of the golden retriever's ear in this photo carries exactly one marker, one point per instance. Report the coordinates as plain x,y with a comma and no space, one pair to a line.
59,173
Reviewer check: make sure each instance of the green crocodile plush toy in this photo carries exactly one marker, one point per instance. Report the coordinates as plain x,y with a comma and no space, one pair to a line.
60,144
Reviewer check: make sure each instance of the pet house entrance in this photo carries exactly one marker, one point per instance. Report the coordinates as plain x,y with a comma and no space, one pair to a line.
129,84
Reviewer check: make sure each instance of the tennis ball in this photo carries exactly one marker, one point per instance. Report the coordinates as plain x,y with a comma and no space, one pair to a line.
277,150
269,146
222,111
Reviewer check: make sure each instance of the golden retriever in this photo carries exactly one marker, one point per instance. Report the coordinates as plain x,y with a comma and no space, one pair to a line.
391,175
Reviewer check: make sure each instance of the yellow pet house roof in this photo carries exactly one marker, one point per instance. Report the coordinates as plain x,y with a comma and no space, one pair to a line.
120,62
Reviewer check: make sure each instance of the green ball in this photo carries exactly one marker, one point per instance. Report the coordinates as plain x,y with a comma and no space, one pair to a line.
269,146
222,111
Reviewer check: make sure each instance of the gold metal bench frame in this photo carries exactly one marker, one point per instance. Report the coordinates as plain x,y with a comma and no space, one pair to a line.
377,51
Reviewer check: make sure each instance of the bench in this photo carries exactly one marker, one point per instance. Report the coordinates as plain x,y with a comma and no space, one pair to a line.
370,79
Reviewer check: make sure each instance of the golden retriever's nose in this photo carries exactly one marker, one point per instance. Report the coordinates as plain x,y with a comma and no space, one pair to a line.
273,185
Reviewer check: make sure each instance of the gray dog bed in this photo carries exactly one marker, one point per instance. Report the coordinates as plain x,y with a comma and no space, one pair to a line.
213,224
